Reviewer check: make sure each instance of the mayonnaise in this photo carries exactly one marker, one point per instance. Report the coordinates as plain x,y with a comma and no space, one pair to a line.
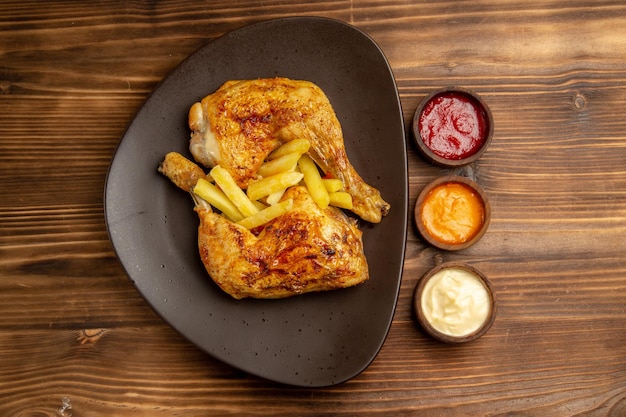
455,302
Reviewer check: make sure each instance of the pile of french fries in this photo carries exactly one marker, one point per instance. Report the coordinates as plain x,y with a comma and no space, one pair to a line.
286,166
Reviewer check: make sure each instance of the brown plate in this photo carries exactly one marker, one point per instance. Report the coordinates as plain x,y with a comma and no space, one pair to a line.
311,340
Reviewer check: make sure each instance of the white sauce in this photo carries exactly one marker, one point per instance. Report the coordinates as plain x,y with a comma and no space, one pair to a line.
455,302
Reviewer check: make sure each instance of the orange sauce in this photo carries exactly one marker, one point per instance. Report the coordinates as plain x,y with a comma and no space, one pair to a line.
453,213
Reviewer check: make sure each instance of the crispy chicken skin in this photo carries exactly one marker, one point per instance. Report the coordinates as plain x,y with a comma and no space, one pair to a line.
306,249
243,121
181,171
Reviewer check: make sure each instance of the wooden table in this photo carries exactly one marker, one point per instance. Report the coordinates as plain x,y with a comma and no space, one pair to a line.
76,338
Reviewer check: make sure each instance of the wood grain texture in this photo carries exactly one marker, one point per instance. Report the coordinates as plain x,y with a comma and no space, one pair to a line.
77,339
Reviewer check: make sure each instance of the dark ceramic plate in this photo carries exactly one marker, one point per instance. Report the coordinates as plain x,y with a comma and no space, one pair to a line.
316,339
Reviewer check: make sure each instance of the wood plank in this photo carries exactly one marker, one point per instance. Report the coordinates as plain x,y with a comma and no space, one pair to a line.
76,338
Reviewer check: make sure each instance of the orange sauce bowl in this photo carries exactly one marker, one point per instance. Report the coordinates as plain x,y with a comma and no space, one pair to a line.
452,213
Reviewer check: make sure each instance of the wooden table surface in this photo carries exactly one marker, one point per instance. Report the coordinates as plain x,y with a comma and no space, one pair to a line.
76,338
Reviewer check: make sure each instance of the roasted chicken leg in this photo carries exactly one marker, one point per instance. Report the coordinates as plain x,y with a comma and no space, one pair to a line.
243,121
307,249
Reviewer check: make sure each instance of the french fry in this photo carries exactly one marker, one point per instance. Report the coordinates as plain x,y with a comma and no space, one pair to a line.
214,196
233,192
299,146
259,205
313,181
275,197
340,199
269,185
283,163
332,185
266,215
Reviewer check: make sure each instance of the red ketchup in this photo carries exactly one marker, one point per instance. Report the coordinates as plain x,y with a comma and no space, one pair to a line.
453,125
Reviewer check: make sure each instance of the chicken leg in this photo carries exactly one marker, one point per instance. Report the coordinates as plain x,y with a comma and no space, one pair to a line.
306,249
243,121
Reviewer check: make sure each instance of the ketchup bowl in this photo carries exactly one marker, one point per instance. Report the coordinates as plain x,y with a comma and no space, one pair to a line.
452,127
452,212
454,303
